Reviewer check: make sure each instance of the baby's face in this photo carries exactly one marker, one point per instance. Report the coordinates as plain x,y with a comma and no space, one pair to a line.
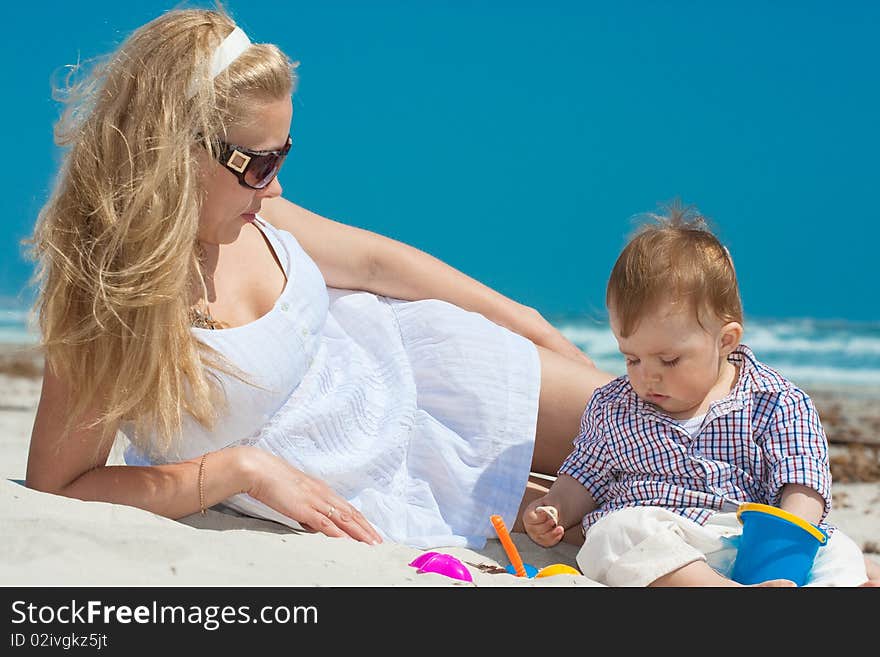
675,363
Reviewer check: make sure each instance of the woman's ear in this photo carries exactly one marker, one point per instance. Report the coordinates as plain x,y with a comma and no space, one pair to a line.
730,336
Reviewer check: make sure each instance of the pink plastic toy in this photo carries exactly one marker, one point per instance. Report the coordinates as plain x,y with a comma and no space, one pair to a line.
444,564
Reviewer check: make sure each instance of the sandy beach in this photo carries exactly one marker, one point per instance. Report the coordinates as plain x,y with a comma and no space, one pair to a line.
52,540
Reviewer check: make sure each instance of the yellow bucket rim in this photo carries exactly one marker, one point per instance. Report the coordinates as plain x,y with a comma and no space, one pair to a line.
817,533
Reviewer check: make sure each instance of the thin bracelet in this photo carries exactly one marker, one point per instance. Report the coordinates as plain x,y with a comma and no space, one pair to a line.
202,483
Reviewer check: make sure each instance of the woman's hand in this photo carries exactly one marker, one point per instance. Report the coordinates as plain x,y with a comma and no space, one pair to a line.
546,335
304,498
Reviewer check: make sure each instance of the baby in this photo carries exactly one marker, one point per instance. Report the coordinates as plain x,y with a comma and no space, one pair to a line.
697,426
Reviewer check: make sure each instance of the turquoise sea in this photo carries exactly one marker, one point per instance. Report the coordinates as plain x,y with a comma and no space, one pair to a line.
517,140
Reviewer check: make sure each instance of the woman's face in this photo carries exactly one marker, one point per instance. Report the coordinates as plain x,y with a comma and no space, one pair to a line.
229,205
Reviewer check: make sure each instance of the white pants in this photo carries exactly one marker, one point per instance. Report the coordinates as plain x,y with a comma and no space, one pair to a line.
637,545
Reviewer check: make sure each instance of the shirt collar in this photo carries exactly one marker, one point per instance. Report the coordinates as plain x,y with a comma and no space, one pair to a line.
754,376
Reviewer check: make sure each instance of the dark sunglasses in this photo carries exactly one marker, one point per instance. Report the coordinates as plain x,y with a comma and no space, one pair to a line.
254,169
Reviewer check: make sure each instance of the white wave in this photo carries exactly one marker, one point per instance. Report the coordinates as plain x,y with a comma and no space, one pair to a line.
18,336
784,345
804,375
14,316
597,340
799,374
767,340
776,337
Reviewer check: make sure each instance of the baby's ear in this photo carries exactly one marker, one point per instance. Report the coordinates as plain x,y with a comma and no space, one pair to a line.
730,336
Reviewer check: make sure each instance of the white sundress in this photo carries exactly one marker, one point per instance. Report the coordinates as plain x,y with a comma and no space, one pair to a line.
419,413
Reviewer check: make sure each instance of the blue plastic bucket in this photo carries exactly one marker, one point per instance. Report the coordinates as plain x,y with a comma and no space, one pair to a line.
775,544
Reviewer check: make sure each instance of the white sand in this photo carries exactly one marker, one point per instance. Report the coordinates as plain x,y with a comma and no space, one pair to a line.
52,540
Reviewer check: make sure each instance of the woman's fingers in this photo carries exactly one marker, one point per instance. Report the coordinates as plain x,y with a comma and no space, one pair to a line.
324,525
355,524
342,519
359,526
308,500
568,349
589,361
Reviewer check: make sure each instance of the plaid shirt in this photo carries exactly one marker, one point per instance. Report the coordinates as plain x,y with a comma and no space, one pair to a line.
764,434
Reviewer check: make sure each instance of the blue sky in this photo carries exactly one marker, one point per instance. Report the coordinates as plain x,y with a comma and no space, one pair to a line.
515,140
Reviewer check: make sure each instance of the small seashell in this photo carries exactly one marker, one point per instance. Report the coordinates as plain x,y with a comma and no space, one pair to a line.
550,511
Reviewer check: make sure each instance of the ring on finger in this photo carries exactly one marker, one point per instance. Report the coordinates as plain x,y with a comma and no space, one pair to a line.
331,511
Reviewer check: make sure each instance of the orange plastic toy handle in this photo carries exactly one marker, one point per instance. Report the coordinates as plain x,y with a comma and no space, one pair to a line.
507,544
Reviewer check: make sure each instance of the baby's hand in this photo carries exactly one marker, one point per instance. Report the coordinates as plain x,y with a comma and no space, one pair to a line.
541,524
551,511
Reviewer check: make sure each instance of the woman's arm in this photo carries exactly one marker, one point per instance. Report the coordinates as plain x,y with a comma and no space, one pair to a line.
75,466
357,259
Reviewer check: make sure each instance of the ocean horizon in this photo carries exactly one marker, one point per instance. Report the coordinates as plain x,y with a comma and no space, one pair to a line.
809,351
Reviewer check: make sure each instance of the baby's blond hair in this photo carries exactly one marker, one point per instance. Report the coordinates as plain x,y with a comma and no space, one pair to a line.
673,258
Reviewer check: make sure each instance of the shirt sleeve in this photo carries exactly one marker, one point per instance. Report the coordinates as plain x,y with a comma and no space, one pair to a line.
589,462
796,448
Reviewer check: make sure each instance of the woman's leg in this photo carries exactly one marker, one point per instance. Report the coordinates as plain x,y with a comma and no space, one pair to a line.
566,387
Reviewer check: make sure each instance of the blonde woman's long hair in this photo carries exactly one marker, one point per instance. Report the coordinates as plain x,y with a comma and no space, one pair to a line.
116,243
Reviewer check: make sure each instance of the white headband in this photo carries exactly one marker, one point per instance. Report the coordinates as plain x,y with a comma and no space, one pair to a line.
226,53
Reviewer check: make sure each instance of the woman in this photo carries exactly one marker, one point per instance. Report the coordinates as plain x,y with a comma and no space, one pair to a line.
255,353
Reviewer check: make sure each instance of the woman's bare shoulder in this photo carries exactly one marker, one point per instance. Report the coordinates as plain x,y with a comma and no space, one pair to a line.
283,213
